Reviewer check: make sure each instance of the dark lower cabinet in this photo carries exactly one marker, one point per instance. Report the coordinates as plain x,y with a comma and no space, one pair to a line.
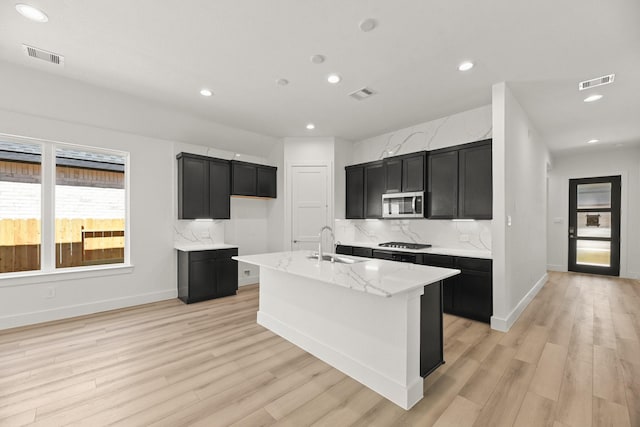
204,275
431,329
469,294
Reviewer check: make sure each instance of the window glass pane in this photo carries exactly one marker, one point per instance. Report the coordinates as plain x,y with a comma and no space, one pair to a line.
594,196
20,193
594,224
593,252
90,208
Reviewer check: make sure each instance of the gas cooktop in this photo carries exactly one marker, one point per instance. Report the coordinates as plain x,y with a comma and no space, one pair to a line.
404,245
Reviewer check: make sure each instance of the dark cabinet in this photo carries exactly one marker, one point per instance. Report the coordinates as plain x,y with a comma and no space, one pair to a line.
460,182
393,175
250,179
367,182
374,185
355,192
267,181
204,275
203,187
469,294
431,329
413,172
442,195
475,197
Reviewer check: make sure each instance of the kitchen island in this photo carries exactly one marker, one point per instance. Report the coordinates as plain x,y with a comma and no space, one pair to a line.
378,321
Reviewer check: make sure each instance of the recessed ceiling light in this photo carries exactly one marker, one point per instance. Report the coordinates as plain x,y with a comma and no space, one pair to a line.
334,78
31,13
368,25
282,82
592,98
311,126
465,66
317,59
205,92
593,141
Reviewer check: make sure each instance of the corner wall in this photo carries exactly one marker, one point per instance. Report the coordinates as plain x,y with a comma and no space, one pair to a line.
519,211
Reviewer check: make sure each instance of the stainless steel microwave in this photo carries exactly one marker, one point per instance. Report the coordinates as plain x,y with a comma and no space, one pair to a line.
403,205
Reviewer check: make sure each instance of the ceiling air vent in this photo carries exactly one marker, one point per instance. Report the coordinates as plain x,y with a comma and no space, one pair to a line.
38,53
604,80
363,93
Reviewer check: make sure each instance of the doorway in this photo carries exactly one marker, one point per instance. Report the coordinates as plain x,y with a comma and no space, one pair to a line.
309,205
594,225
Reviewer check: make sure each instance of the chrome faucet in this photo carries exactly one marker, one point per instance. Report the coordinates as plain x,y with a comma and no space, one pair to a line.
333,242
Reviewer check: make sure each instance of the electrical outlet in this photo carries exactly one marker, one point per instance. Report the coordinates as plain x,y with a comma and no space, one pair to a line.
247,272
464,237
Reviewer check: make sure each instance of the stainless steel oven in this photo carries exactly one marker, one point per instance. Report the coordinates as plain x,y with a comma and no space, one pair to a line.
403,205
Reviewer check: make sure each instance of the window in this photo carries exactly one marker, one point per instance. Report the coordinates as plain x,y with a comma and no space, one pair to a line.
20,206
61,206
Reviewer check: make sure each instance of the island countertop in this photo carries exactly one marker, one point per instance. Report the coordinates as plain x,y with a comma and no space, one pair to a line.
373,276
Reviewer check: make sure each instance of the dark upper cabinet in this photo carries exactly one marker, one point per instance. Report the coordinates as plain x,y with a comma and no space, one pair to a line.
413,172
203,187
244,179
374,185
442,194
267,181
460,182
219,189
476,186
250,179
355,192
393,175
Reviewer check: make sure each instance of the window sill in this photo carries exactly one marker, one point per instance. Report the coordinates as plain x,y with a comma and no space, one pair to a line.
73,273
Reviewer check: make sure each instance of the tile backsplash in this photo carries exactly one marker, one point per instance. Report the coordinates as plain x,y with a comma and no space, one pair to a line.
470,235
198,232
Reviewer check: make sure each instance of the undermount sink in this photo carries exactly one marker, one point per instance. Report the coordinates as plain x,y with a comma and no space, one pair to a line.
337,259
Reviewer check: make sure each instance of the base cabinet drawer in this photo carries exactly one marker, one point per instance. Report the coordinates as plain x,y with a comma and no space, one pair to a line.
204,275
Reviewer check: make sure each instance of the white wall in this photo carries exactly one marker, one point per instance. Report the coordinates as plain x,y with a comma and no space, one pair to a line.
343,154
467,126
151,205
519,210
596,162
50,107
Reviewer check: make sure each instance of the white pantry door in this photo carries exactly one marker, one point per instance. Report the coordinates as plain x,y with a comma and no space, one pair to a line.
310,212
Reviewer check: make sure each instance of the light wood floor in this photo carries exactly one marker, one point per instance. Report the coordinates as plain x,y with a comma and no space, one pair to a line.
572,359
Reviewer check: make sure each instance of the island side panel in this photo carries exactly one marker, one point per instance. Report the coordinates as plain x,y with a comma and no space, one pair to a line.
373,339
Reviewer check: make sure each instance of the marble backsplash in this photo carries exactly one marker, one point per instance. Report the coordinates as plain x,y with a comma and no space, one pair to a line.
206,232
469,235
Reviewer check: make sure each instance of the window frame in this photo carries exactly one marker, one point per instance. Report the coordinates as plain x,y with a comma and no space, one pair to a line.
47,218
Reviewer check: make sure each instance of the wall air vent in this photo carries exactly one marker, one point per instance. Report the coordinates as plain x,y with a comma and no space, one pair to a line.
604,80
362,94
47,56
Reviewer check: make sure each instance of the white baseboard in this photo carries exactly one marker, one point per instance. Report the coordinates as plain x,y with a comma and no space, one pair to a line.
504,324
248,280
23,319
556,267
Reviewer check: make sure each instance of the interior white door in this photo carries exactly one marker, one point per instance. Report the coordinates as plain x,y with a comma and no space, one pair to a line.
310,211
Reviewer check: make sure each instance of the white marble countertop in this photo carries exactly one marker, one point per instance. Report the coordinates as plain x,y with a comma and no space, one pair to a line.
374,276
438,250
190,247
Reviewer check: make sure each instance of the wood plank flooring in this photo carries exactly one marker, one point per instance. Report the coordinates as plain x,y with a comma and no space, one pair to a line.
572,359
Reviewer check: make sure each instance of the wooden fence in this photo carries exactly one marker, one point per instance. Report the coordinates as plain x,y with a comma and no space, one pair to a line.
78,242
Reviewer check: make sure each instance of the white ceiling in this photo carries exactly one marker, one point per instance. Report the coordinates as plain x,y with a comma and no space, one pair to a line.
166,51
